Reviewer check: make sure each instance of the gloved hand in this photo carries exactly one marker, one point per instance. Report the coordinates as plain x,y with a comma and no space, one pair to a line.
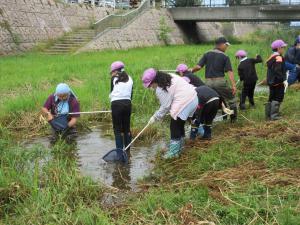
286,84
226,110
152,120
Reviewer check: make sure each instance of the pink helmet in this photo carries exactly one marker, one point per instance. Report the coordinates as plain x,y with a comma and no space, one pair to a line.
278,44
181,68
241,53
116,66
148,77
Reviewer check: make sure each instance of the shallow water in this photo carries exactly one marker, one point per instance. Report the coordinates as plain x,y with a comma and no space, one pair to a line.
92,146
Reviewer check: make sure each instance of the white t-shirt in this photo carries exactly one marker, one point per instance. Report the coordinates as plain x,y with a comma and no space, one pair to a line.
121,90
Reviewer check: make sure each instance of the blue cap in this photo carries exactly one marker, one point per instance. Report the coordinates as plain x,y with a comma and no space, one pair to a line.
62,88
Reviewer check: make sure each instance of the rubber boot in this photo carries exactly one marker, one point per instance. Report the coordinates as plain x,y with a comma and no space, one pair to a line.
54,137
242,106
127,140
69,135
268,110
251,101
207,133
233,117
275,110
182,142
194,132
201,130
174,149
119,141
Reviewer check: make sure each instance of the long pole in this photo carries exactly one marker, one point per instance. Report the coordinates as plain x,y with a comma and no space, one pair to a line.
91,112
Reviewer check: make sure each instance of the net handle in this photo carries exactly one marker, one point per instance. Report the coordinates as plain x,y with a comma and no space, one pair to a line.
148,124
91,112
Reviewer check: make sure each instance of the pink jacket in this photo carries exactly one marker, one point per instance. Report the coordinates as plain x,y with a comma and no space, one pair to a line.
178,96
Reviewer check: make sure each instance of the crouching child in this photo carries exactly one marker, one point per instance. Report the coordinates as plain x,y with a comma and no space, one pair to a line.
209,103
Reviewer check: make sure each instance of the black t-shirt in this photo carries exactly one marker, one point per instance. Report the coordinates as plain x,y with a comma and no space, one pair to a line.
194,80
216,63
247,71
205,93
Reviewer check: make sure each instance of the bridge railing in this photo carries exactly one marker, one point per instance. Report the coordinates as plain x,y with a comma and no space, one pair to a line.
227,3
118,21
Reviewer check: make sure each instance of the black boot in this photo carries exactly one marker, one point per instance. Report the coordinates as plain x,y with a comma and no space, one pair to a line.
251,101
275,110
119,141
127,139
242,106
207,132
194,132
233,117
268,110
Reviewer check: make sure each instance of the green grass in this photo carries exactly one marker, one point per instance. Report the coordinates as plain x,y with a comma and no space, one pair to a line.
27,80
248,174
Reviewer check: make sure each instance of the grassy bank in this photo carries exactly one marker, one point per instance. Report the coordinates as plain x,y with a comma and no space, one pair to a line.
42,187
248,174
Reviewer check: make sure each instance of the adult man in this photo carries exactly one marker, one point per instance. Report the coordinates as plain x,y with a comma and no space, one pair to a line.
292,62
216,65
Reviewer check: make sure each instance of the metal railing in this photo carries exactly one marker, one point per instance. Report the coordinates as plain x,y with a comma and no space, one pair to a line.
228,3
118,21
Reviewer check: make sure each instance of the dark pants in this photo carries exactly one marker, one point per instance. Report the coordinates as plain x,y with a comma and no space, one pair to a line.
276,93
121,112
248,91
209,112
222,88
177,128
69,135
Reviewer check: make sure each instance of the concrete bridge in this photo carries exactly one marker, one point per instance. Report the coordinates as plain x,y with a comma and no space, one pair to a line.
246,13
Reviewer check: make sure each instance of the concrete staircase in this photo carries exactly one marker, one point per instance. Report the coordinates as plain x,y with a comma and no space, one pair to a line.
71,42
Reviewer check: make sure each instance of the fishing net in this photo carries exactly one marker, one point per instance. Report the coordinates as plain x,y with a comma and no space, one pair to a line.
116,154
59,123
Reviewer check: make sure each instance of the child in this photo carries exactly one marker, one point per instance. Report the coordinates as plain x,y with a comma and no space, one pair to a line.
209,103
175,96
276,79
248,75
120,97
292,62
183,71
57,109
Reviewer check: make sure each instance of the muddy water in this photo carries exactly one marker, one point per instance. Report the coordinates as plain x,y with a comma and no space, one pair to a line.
92,146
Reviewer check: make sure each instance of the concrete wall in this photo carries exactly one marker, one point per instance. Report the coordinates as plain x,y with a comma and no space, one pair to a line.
23,23
268,13
142,32
209,31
